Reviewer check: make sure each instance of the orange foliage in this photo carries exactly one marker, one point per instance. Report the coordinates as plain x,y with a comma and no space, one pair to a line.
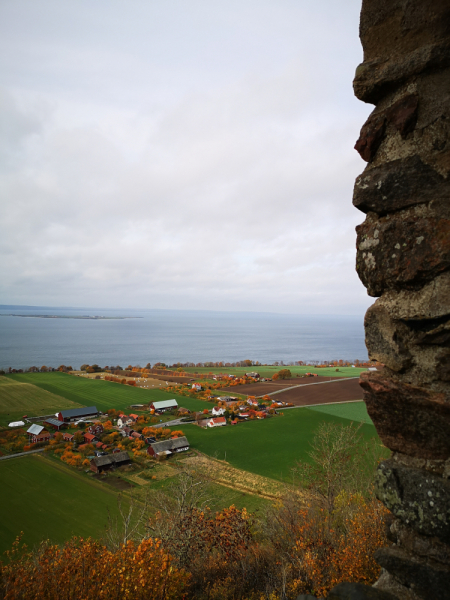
86,569
177,433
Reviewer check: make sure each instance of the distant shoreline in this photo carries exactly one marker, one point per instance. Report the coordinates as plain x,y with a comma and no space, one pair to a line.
84,317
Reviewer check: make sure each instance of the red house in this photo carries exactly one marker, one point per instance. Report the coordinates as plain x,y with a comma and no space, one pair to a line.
96,429
36,434
68,437
88,438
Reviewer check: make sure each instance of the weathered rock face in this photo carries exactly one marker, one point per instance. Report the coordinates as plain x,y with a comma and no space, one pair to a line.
403,258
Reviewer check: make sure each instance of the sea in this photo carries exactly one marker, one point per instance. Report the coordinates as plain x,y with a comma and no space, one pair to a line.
138,337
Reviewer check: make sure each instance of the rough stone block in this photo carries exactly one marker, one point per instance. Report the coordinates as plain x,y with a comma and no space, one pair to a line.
427,579
404,250
408,419
420,499
429,303
391,28
385,339
358,591
376,78
398,184
415,543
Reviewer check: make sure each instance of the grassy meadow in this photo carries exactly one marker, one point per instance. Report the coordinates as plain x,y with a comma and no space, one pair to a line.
50,501
354,411
269,370
88,392
19,398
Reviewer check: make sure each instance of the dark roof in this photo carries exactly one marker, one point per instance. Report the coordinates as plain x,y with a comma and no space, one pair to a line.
172,444
111,459
79,412
54,422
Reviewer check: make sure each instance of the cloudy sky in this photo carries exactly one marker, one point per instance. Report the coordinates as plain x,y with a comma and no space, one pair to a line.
180,154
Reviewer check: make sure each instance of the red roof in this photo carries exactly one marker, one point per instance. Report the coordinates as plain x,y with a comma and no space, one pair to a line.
219,420
98,444
89,437
134,416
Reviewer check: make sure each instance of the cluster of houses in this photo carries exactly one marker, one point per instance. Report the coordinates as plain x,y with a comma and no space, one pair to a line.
104,461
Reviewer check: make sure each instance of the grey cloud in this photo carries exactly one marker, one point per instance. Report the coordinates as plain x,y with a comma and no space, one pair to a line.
229,189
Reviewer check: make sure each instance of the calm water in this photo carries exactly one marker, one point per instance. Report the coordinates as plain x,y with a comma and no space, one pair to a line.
171,336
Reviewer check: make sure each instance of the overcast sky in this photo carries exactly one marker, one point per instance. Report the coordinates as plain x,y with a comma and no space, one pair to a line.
180,154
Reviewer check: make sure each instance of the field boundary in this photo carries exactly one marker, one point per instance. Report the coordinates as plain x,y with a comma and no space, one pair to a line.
324,404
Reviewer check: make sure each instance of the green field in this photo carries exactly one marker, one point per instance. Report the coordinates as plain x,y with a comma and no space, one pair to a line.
48,501
354,411
268,371
18,398
45,499
270,447
102,394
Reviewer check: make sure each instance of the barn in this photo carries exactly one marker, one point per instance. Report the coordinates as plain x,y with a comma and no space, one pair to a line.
110,461
163,405
74,414
55,423
36,434
168,447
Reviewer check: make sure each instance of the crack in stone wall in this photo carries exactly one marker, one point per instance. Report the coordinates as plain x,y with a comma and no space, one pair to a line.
403,259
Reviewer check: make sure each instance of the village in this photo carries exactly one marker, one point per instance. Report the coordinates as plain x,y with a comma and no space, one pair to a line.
105,441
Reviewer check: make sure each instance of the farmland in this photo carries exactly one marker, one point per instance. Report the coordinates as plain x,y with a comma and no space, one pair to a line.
269,447
269,370
354,411
88,392
48,501
19,398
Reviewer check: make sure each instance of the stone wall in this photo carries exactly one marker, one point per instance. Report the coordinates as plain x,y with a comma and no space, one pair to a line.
403,259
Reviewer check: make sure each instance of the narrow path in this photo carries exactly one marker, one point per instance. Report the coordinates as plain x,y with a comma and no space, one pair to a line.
307,384
18,454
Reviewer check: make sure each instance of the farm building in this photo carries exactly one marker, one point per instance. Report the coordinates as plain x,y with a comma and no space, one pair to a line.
163,405
253,374
96,429
88,438
196,386
217,422
168,447
217,411
134,418
74,414
110,461
127,431
183,411
55,423
123,420
68,437
36,434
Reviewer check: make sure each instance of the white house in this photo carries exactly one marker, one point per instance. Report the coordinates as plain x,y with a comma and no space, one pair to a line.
217,411
217,422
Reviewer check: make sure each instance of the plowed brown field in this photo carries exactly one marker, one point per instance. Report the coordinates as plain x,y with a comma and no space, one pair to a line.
267,387
343,390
